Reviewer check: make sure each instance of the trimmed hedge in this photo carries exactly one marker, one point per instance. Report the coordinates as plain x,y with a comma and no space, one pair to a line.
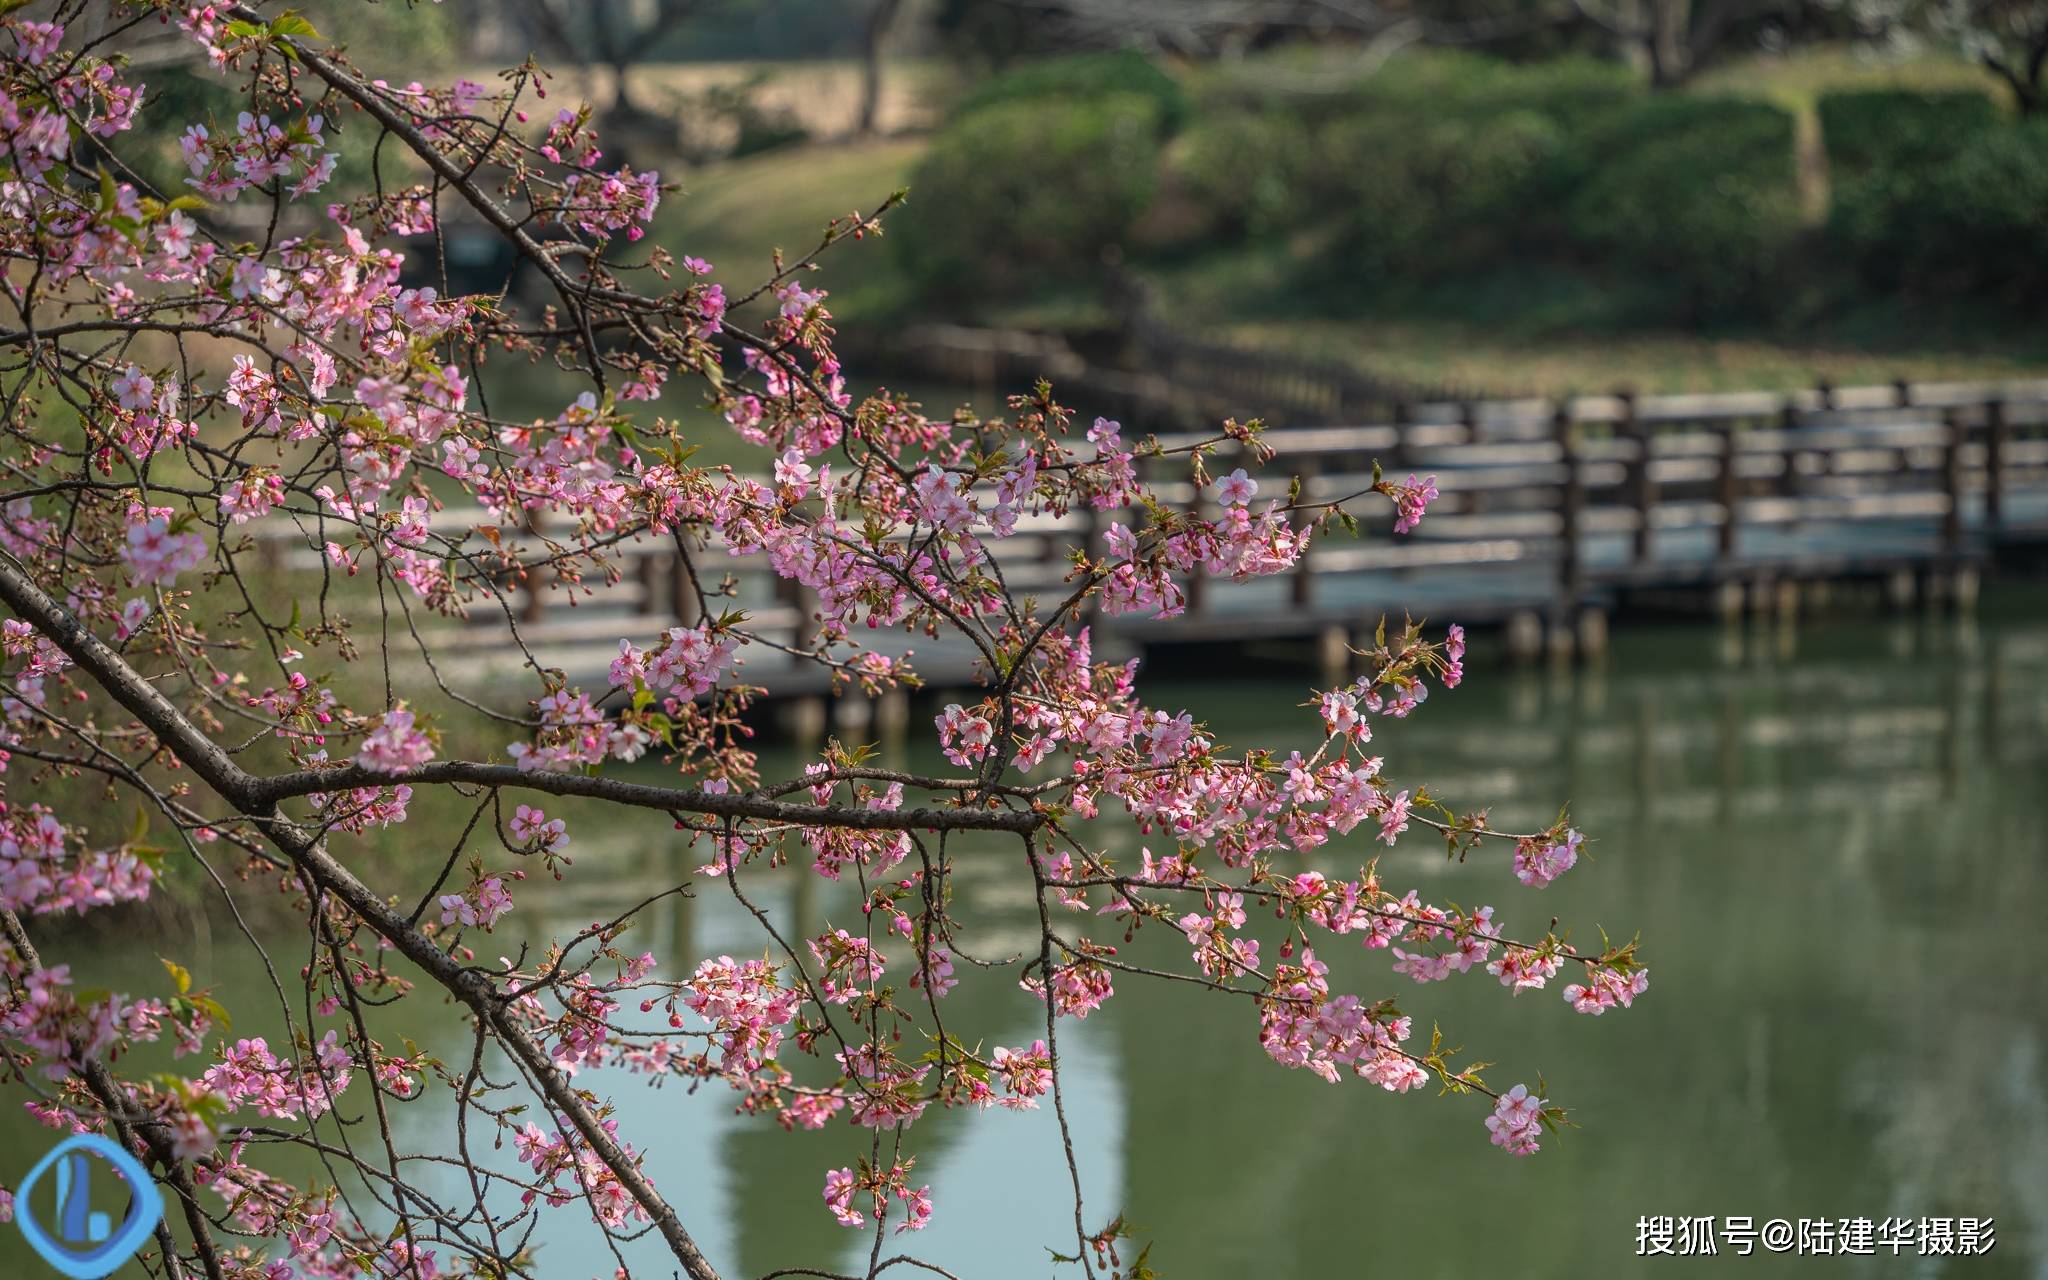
1572,92
1973,224
1888,128
1888,151
1419,195
1030,190
1700,194
1082,77
1245,169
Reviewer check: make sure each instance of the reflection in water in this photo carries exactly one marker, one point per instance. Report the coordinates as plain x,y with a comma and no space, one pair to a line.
1831,841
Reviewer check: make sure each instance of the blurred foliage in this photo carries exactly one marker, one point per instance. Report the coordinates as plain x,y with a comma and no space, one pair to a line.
1572,91
737,118
1901,167
1421,193
184,94
1878,128
1437,167
1700,193
1243,170
1082,77
1974,223
401,39
1029,190
398,36
177,96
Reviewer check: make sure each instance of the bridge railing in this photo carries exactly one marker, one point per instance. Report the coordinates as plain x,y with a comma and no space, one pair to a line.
1552,498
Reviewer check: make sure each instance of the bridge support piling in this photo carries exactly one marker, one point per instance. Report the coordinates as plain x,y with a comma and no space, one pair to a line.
1592,634
804,719
1333,656
1785,601
1562,640
892,719
1899,590
1728,601
1762,594
1968,582
1525,637
853,718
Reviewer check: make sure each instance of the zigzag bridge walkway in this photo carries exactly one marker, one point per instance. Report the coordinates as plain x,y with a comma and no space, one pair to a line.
1555,516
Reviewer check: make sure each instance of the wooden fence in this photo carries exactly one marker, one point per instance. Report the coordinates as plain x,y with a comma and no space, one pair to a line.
1550,509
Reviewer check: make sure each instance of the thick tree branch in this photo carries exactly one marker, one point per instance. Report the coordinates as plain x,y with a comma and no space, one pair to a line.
244,790
643,796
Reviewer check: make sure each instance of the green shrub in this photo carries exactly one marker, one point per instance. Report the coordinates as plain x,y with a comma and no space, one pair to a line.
1572,92
1700,193
1244,170
1974,223
1081,77
1024,191
1884,149
1889,128
1418,195
1431,166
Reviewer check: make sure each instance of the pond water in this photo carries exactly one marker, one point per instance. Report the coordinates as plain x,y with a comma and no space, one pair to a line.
1834,842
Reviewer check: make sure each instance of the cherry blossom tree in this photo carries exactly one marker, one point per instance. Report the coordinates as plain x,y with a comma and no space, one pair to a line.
192,377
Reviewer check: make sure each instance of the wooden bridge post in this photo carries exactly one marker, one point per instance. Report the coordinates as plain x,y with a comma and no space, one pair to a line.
1301,588
1726,488
1995,429
682,592
1952,484
1086,537
1788,424
1571,507
1642,483
536,595
796,595
648,575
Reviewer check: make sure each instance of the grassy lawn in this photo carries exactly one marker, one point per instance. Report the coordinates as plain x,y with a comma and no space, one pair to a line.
1441,352
1797,80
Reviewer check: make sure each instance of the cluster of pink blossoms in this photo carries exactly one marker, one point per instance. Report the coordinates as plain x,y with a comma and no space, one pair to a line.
1516,1122
60,1031
480,907
1541,859
255,154
1302,1025
1607,988
964,736
564,1155
396,744
877,1185
43,870
531,826
250,1074
155,553
1411,501
850,965
746,1007
876,852
575,734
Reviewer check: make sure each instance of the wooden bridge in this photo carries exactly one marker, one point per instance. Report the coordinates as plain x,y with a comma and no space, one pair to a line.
1555,515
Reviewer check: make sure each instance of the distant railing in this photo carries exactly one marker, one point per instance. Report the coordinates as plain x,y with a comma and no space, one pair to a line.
1547,505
